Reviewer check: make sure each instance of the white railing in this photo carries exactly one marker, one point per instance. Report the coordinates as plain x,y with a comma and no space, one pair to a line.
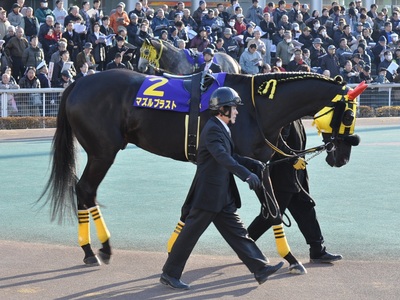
30,102
44,102
377,94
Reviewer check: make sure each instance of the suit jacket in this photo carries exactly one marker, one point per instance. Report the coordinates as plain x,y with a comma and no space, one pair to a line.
215,68
213,186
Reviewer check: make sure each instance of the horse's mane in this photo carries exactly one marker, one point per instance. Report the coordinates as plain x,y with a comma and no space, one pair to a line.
167,45
293,76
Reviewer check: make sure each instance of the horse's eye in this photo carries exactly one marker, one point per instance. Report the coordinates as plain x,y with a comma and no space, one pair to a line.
146,52
348,117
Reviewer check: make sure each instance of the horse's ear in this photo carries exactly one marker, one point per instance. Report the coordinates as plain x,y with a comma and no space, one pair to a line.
338,79
147,41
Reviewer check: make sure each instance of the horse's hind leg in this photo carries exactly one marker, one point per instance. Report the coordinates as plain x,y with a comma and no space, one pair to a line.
86,191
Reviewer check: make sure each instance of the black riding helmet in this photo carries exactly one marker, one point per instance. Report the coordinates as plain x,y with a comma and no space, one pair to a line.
224,96
208,51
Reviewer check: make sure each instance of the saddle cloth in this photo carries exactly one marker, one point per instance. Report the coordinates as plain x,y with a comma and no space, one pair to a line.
163,93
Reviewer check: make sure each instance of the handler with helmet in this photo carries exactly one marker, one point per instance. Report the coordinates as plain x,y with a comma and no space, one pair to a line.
214,197
208,65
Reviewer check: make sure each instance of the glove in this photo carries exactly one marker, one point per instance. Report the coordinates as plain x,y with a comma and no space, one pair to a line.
253,181
300,164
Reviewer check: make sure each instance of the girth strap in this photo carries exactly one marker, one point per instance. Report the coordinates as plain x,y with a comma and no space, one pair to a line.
193,123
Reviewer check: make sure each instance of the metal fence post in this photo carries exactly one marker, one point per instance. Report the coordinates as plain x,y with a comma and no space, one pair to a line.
4,105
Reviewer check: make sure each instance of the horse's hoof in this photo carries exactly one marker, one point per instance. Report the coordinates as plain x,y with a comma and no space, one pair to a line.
92,261
297,269
104,257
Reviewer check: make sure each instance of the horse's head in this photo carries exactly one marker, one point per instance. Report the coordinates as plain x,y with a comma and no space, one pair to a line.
336,123
149,54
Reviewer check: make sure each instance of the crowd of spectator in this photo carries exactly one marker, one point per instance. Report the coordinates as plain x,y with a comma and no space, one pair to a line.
58,46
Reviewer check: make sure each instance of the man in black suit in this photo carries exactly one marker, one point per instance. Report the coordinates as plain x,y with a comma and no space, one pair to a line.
208,65
214,197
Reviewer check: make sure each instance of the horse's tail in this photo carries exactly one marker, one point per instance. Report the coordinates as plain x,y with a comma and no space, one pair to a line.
61,184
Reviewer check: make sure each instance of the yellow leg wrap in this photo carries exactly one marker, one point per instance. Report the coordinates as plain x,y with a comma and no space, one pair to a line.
280,239
174,235
102,232
83,227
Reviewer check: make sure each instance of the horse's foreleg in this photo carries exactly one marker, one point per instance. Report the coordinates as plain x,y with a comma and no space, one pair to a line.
102,233
84,238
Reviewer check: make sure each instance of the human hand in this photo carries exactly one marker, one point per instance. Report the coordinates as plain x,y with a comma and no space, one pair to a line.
253,181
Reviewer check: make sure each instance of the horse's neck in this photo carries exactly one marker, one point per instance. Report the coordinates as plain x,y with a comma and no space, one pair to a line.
175,62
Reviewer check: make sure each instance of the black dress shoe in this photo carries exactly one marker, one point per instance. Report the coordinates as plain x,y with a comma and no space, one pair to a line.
262,275
173,282
325,257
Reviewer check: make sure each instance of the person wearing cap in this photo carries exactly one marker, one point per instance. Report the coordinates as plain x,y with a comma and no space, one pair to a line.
254,13
365,74
330,62
214,197
248,34
325,38
208,65
43,11
133,28
15,17
64,80
31,105
230,45
240,25
200,41
381,78
85,55
285,49
200,12
210,22
379,49
160,22
119,18
304,8
316,52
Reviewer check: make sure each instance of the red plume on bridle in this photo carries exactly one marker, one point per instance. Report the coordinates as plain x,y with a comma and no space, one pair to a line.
352,94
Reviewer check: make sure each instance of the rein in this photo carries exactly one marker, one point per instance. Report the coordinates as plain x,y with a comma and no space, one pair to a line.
296,155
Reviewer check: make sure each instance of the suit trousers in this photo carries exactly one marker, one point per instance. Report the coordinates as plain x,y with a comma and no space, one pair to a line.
302,211
229,224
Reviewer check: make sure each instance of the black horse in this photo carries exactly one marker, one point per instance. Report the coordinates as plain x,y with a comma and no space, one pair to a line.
98,111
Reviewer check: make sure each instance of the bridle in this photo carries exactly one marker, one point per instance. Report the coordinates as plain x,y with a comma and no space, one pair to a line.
339,122
149,52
